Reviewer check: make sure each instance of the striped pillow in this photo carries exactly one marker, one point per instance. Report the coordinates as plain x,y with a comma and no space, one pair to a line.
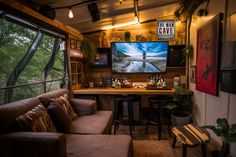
36,120
63,100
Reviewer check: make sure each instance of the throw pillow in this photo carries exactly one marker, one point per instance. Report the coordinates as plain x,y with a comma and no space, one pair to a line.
36,120
63,100
59,117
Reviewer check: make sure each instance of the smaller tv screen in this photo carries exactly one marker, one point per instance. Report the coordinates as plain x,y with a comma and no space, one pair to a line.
139,57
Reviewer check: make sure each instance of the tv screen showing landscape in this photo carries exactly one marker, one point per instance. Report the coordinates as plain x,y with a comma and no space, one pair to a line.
139,57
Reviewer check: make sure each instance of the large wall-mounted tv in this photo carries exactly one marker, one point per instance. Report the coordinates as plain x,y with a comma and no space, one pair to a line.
139,57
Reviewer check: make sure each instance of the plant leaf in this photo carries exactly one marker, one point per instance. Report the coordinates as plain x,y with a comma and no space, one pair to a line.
223,123
231,138
233,128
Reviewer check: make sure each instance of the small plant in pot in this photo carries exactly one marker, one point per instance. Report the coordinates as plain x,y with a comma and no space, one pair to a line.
182,114
226,132
88,49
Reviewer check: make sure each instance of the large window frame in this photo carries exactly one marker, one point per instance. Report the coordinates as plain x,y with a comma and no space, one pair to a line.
42,29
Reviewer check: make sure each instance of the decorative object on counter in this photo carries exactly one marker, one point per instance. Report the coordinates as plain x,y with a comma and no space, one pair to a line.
227,133
156,82
91,84
121,82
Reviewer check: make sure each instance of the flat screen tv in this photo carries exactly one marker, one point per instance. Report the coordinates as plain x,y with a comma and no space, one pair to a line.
139,57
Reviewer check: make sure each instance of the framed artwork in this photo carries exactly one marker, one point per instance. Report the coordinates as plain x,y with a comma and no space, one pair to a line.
72,43
165,29
208,52
73,67
193,74
78,44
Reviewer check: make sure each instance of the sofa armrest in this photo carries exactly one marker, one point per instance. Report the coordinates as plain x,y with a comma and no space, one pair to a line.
84,106
28,144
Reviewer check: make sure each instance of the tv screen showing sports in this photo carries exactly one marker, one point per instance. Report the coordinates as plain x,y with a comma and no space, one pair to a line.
139,57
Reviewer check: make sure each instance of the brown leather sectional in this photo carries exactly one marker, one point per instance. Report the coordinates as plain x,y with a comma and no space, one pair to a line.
89,136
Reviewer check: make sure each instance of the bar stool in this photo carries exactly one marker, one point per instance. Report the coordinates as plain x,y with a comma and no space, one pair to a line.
159,114
191,135
118,116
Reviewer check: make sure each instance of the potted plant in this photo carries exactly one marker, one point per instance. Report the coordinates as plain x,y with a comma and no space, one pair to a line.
226,132
88,49
182,114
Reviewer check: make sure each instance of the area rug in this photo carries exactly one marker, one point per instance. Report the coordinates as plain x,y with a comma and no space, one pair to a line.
151,148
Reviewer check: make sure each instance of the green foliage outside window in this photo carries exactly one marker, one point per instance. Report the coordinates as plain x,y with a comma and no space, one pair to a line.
15,40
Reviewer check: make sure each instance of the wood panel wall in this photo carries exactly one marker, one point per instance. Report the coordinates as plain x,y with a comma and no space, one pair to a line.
144,32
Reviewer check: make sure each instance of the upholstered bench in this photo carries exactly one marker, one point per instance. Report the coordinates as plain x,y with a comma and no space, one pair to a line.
191,135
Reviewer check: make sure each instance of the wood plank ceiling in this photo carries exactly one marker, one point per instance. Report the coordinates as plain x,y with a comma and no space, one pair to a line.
111,12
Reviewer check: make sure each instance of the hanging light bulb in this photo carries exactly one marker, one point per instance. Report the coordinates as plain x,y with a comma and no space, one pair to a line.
120,1
70,13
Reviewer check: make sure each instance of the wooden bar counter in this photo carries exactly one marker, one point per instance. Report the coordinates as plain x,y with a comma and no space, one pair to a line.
123,91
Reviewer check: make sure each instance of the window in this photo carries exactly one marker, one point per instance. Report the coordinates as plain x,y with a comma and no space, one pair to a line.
30,62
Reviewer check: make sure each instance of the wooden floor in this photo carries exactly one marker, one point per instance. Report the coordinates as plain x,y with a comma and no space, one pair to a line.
139,134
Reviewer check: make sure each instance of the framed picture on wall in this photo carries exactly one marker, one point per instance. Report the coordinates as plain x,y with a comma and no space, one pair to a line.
103,58
193,74
78,44
208,52
72,43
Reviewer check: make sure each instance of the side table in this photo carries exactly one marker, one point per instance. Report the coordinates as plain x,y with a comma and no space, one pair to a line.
190,135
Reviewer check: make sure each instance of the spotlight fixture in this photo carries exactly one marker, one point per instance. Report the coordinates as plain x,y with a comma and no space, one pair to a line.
136,13
136,19
121,1
70,15
202,12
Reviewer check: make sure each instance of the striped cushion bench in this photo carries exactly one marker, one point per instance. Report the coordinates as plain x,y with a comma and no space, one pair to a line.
191,135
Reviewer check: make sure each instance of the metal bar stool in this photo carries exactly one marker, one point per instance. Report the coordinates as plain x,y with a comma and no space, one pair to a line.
118,116
159,114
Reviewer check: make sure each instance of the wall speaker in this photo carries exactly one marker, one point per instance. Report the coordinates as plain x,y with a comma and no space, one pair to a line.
47,11
175,56
94,12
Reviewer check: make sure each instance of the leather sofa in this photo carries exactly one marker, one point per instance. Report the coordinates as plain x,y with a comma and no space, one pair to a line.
88,137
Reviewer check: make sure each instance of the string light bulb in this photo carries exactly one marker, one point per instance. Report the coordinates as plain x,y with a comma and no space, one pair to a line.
71,15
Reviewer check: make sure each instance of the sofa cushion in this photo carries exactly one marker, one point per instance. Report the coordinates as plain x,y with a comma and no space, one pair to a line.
84,106
45,97
63,100
98,123
98,145
59,117
36,120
